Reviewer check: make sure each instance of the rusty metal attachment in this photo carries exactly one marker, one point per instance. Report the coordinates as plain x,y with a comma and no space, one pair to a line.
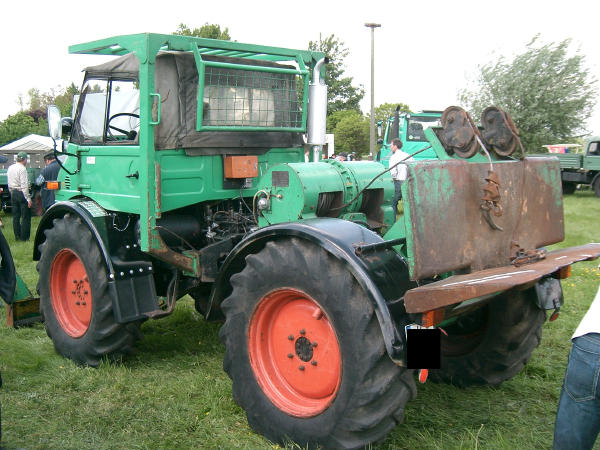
458,288
500,132
490,203
529,257
459,132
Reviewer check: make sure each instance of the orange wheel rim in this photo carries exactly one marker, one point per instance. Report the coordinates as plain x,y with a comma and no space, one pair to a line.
70,293
294,353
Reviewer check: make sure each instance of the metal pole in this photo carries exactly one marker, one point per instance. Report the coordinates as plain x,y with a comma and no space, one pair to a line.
372,26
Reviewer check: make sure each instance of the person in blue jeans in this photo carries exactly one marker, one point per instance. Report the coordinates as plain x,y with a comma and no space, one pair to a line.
578,416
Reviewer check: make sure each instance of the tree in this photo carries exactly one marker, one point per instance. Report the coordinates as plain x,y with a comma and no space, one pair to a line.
19,125
548,93
352,134
341,94
386,110
208,30
64,100
33,119
335,117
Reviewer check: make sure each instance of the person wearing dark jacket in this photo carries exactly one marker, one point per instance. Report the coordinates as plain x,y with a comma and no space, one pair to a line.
48,173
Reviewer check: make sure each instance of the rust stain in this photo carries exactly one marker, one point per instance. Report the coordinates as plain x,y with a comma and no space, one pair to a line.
449,232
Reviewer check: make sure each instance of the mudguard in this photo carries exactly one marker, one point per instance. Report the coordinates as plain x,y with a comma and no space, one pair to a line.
130,272
90,213
382,273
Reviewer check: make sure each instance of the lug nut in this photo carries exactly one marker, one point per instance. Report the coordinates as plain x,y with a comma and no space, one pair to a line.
313,362
301,368
314,344
77,303
290,355
291,337
303,331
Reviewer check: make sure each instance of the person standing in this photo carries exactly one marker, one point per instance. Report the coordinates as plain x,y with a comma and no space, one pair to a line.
48,173
18,185
578,415
398,171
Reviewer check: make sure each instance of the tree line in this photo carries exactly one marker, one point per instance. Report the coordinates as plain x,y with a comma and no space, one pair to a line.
547,89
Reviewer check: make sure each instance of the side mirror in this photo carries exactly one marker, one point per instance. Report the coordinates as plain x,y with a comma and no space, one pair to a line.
67,125
379,129
54,122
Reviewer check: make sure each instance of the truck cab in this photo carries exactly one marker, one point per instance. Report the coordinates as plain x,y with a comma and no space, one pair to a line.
410,128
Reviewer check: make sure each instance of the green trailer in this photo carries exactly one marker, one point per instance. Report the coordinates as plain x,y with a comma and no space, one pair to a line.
188,177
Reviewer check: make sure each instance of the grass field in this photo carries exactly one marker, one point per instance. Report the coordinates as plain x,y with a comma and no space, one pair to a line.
174,393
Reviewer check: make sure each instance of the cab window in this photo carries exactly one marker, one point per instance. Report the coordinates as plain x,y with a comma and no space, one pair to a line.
107,113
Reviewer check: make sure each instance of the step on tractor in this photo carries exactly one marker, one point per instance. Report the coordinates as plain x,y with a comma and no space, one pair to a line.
184,173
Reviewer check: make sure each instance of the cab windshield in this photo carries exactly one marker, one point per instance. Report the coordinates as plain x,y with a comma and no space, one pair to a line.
416,126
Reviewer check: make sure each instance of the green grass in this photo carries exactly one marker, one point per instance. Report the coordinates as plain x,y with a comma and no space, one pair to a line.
174,393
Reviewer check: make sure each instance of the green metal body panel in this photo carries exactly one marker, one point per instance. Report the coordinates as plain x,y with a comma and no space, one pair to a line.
294,191
184,180
569,160
591,163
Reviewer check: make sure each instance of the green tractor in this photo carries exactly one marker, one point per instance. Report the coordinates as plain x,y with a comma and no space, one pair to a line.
184,173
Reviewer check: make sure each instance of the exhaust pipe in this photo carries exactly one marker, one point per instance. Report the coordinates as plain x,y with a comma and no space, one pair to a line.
317,111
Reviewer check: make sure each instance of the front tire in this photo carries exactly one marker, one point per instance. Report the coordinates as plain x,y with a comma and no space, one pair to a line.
492,344
305,351
74,299
597,187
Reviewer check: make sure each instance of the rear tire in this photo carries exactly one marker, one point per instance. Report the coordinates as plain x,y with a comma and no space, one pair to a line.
568,188
74,299
492,344
344,393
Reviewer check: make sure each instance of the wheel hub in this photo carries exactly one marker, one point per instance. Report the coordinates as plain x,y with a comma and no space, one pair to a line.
304,349
294,352
70,293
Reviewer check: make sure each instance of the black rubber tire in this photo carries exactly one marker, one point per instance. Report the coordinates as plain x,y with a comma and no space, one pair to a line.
596,187
568,188
493,344
373,391
104,338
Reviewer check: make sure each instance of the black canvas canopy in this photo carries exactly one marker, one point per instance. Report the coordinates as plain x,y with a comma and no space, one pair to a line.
176,80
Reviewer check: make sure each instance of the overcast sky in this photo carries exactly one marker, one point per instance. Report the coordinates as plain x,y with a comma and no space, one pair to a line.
424,51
